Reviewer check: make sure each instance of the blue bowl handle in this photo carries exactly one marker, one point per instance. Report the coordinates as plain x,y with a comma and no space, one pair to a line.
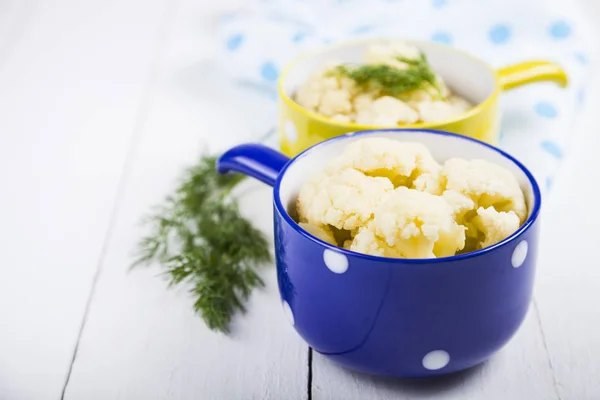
255,160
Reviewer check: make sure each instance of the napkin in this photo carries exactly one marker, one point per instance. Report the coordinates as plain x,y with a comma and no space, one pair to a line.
258,40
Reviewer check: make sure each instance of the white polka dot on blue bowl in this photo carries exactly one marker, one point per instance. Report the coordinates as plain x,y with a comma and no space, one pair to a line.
499,34
290,131
519,254
287,310
336,262
436,359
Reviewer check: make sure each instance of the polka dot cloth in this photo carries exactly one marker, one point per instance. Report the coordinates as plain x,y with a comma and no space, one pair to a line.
537,119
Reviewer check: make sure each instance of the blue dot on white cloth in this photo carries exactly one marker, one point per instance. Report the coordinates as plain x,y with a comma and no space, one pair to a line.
298,37
499,34
549,183
560,30
580,95
545,109
442,37
269,72
582,58
552,148
234,41
438,3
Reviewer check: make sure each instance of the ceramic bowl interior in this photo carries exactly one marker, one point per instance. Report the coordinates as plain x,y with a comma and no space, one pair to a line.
464,74
442,146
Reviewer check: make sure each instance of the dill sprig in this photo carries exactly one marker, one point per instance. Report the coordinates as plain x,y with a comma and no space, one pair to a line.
200,238
392,81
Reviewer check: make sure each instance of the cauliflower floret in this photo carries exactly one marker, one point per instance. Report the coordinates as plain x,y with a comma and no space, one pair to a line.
323,232
330,83
391,109
431,111
460,203
367,242
365,117
383,121
459,104
414,224
344,199
309,95
363,102
329,95
335,101
486,184
388,53
342,118
404,163
348,85
495,226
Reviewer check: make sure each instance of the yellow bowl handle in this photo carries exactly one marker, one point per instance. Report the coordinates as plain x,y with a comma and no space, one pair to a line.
529,72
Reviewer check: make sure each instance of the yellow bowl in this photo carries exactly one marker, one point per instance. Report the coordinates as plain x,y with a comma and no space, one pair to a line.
465,74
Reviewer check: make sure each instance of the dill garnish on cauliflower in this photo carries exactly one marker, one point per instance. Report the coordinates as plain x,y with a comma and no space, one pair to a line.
392,199
395,86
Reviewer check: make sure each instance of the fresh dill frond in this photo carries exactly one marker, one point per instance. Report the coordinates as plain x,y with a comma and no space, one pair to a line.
200,239
391,81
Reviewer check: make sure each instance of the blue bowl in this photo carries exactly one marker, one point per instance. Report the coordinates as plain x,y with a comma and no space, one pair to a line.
396,317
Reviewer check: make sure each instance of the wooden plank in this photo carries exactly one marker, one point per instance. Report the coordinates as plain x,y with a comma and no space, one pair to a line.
71,79
519,371
569,273
142,340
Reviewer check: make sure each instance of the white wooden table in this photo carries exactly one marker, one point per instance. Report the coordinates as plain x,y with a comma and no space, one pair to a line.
100,108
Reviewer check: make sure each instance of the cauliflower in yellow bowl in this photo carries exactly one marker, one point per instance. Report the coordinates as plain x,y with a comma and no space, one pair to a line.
394,86
389,198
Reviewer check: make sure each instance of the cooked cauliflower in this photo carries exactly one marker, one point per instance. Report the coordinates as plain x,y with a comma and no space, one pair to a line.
363,102
323,232
438,110
495,226
460,203
344,199
335,102
338,97
388,54
411,224
404,163
367,242
394,110
485,183
392,199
